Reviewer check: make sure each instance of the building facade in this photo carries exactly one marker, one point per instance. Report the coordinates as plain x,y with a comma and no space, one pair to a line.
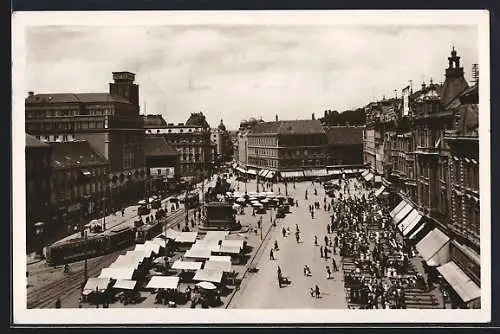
163,162
191,139
345,145
79,184
110,122
38,173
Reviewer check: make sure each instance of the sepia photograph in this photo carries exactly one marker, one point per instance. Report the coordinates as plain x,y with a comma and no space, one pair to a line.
251,167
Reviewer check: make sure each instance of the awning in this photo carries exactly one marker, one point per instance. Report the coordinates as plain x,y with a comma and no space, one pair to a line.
125,284
171,234
334,172
124,261
252,171
186,265
201,253
233,243
397,208
378,179
209,275
460,282
270,175
348,171
222,258
417,231
241,170
186,237
366,172
160,242
142,252
117,273
379,191
148,246
417,219
210,245
261,172
402,214
229,250
218,265
163,282
406,221
319,172
434,247
97,284
292,174
368,177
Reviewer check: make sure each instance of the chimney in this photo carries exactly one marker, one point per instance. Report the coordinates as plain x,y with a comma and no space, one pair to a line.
276,117
423,85
30,93
313,116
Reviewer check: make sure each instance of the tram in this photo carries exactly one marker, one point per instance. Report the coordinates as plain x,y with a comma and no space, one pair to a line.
149,231
191,201
81,248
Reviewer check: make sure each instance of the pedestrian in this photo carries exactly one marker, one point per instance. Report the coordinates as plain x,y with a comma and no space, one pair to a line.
316,291
58,303
334,264
297,228
283,231
276,248
297,237
315,240
330,242
123,211
312,214
326,241
328,273
321,251
271,255
279,271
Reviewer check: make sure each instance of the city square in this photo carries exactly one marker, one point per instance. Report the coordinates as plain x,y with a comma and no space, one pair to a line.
233,176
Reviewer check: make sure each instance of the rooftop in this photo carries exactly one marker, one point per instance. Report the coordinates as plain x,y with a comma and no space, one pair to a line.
345,135
294,127
78,153
75,98
158,146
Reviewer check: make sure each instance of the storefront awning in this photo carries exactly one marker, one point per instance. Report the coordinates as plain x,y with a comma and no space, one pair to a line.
434,248
261,172
270,175
208,275
417,231
252,171
459,281
402,214
319,172
369,177
125,284
409,217
334,172
218,265
292,174
365,173
379,191
163,282
377,179
186,265
415,222
241,170
397,208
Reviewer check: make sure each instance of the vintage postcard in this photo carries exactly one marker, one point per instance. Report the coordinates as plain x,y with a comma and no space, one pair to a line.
251,167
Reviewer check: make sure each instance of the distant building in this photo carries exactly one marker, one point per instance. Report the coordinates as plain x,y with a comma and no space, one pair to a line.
78,183
345,145
38,173
110,122
163,162
190,139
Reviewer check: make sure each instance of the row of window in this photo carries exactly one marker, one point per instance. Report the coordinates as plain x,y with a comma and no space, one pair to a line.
77,192
40,114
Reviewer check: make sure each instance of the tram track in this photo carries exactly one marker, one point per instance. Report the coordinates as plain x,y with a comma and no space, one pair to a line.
45,296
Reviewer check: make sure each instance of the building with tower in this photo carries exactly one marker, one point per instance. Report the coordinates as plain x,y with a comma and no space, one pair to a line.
109,122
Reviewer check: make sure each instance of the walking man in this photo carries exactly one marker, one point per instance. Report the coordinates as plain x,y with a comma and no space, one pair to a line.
328,272
316,291
283,231
271,255
334,264
321,251
315,240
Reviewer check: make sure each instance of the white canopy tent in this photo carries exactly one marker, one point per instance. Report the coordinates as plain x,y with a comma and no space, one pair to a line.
125,284
186,265
186,237
208,275
232,243
97,284
218,265
201,253
171,234
163,282
117,273
146,249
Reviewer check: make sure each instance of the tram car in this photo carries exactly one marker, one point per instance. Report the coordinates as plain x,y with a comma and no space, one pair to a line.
148,231
191,201
143,210
156,203
82,248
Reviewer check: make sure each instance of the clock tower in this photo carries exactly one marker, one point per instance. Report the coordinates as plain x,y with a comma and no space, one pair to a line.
124,86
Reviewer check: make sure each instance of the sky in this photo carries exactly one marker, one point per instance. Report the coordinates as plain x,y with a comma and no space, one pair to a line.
234,72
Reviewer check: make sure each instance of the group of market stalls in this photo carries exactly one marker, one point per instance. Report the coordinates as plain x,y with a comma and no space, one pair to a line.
435,247
210,259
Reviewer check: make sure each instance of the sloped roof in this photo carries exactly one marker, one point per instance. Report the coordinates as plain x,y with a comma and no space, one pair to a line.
344,135
154,121
33,142
75,98
158,146
78,153
289,127
197,119
452,88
